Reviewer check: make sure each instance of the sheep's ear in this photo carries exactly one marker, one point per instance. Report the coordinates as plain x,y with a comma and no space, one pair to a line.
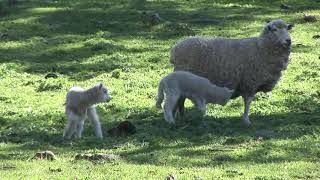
271,28
99,85
290,26
268,20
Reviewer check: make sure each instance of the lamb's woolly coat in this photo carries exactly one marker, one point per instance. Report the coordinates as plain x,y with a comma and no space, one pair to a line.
247,65
198,89
182,83
80,104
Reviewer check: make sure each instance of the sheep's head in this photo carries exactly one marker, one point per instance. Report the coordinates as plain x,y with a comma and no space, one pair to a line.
277,32
102,93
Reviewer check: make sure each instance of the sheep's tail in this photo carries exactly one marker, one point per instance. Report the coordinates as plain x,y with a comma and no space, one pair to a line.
160,95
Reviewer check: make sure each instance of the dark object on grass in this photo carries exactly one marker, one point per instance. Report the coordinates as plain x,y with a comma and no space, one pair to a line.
55,170
3,35
309,18
123,129
284,7
155,19
97,157
51,75
47,155
151,19
316,36
171,177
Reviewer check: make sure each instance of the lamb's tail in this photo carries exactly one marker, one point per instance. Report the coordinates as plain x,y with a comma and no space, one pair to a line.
172,54
160,95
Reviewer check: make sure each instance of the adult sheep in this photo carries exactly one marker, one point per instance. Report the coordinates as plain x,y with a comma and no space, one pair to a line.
247,65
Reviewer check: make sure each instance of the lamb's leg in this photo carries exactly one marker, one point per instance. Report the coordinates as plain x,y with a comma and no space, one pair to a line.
201,105
169,105
247,101
70,128
93,116
180,105
79,127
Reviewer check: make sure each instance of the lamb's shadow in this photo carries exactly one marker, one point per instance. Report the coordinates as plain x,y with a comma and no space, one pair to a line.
154,136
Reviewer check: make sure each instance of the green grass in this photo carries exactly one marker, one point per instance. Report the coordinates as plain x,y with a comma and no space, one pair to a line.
106,41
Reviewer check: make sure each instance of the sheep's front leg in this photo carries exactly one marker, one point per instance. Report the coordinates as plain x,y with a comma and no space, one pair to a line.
247,101
180,105
93,116
201,105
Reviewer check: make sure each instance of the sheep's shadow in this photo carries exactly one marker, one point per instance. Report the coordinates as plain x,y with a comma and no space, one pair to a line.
155,137
151,125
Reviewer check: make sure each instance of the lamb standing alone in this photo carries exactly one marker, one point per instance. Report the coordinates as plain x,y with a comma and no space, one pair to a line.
80,104
247,65
196,88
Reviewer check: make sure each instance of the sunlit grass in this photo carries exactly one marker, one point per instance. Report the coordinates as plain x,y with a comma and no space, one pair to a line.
107,41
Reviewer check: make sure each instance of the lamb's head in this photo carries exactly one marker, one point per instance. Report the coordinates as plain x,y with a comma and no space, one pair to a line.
277,32
102,93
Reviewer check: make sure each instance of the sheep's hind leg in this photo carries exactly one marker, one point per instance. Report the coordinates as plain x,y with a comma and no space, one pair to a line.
180,105
247,101
169,105
71,126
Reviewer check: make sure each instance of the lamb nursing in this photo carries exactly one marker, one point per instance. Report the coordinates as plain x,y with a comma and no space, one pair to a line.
198,89
247,65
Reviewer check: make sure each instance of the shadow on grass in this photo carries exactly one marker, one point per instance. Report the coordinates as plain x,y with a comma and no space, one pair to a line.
49,31
154,136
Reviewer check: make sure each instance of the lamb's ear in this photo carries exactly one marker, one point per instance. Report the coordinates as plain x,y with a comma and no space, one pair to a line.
268,20
99,85
290,26
271,27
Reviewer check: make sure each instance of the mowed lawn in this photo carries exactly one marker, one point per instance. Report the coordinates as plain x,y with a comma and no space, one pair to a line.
113,41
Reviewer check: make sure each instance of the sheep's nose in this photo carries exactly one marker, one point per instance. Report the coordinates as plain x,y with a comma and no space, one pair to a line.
288,42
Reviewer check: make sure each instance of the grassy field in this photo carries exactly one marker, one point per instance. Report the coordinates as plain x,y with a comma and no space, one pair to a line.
109,41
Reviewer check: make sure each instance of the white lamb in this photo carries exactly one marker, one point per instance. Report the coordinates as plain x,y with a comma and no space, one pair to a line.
198,89
247,65
80,104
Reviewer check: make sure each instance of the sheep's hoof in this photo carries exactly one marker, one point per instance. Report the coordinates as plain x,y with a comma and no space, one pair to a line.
171,122
246,122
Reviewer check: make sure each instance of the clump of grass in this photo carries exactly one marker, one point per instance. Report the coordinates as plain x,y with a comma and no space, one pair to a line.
174,29
50,85
102,44
116,73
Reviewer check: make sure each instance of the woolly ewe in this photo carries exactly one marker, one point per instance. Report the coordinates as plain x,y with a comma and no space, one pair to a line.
247,65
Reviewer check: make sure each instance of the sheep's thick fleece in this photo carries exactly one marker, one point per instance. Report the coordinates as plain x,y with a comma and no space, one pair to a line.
247,65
